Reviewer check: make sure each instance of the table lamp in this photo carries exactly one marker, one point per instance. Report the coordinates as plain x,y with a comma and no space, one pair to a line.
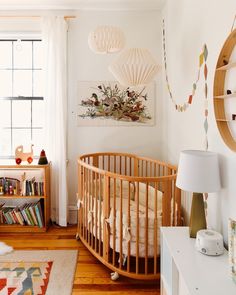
198,172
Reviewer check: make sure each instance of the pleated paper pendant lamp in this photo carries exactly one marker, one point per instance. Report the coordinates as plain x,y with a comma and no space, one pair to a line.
134,66
106,39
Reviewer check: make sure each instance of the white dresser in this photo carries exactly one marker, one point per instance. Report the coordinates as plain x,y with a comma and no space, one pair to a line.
184,271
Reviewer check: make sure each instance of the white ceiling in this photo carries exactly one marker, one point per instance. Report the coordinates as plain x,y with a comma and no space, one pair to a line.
82,4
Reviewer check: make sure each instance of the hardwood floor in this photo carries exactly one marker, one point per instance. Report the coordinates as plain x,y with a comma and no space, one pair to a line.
91,276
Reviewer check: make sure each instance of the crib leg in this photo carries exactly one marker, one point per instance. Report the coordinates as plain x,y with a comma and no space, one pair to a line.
77,237
114,276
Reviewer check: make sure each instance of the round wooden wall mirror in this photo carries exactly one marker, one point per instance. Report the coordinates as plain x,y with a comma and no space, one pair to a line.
225,92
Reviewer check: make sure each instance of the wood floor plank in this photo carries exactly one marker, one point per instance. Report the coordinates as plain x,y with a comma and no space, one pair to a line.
91,276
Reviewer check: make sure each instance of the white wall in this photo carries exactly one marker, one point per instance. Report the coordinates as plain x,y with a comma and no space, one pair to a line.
142,29
190,24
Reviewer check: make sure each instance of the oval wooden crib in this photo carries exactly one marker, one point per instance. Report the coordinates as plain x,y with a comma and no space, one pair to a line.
123,200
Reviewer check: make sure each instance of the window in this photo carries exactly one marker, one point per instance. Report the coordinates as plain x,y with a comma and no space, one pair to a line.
21,97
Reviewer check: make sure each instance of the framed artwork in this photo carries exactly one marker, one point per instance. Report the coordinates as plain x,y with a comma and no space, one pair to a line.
232,248
110,104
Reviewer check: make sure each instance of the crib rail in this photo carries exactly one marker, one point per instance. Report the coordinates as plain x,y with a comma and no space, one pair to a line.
123,201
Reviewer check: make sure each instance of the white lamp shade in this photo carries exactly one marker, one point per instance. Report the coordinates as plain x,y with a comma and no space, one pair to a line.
134,66
106,39
198,171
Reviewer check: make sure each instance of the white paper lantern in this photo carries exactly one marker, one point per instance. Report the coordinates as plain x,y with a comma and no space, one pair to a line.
134,66
106,39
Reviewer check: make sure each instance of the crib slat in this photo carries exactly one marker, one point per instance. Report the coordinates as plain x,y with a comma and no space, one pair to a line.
114,164
130,166
136,167
106,212
80,197
114,224
89,207
109,163
96,210
86,205
155,228
83,211
121,224
103,162
146,230
95,161
100,215
93,208
125,172
166,204
137,227
129,226
150,170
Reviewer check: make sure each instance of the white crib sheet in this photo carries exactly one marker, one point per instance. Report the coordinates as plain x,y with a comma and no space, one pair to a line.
129,230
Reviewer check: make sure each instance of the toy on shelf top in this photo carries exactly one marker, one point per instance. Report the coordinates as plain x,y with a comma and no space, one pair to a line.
21,156
43,159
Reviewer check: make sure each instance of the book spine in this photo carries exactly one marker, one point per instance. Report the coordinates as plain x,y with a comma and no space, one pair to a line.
7,216
29,215
19,216
31,209
40,221
25,216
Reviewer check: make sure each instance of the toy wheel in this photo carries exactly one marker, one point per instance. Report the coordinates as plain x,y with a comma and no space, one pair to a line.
18,161
114,276
30,160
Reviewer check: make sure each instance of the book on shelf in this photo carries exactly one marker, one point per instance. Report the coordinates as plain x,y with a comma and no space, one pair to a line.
26,187
27,214
32,187
39,214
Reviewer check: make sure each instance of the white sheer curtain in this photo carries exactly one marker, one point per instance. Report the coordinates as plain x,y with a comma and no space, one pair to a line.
54,37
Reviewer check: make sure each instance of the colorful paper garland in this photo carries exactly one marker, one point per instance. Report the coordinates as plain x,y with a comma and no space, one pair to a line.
183,107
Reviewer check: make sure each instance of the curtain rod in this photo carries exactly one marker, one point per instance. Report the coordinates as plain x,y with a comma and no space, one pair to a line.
33,16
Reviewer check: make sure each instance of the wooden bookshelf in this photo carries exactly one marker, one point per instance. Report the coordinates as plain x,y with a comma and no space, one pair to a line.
224,96
224,65
43,173
20,196
225,120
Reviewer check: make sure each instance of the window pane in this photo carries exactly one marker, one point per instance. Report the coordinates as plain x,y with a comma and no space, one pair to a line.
5,54
22,83
38,141
38,83
37,113
21,137
5,147
6,83
22,55
21,113
38,55
21,74
5,113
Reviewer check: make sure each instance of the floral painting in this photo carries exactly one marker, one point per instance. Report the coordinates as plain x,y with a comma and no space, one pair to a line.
108,103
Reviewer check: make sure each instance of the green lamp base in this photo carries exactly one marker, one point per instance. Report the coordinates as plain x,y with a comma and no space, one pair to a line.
197,217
